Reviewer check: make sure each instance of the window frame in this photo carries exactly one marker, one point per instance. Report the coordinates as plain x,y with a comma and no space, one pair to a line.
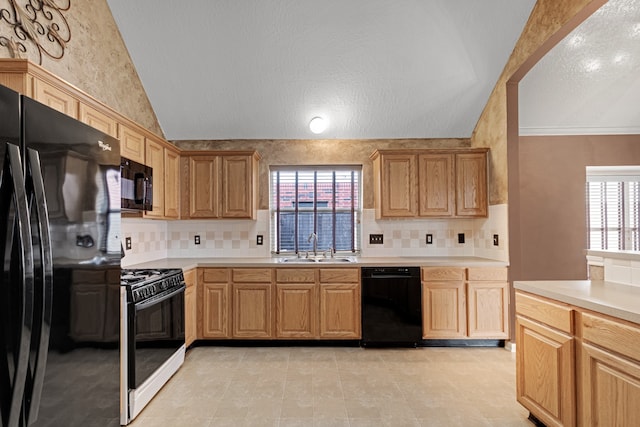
354,211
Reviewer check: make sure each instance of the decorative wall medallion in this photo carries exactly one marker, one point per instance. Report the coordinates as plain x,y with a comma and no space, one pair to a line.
31,28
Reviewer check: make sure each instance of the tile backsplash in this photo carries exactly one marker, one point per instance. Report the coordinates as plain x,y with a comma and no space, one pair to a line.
152,239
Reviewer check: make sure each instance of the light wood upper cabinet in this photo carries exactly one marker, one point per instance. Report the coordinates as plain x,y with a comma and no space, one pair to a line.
154,157
171,183
471,185
55,98
203,187
98,120
238,186
436,180
221,184
430,183
131,144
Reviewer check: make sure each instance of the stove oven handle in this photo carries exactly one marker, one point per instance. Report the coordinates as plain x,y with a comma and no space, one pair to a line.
149,303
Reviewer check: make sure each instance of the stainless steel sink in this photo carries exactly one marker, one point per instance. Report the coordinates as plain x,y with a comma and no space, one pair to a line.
308,260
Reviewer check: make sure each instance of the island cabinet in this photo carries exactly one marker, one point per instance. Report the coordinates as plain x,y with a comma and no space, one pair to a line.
190,307
545,359
214,303
465,303
610,371
253,303
432,183
340,303
220,184
296,303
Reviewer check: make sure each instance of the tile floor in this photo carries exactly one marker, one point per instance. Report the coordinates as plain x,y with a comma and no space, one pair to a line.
322,386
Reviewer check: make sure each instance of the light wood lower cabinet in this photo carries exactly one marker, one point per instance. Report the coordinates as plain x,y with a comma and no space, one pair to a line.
214,302
610,372
459,303
190,307
545,359
253,303
340,303
296,303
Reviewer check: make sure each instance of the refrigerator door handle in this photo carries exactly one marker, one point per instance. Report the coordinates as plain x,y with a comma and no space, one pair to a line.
44,282
12,189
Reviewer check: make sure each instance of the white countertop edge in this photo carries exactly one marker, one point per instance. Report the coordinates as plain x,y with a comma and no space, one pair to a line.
610,298
190,263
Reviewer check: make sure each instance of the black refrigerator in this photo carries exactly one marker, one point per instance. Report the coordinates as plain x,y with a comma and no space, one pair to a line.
60,286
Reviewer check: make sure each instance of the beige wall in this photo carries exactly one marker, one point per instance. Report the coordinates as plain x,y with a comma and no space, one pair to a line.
313,152
549,21
97,62
552,199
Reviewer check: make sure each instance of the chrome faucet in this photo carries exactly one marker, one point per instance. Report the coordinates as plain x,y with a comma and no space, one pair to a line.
314,236
330,250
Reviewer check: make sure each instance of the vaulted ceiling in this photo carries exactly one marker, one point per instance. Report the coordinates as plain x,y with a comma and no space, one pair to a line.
229,69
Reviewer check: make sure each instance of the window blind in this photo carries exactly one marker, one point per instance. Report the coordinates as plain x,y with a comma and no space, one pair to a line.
325,200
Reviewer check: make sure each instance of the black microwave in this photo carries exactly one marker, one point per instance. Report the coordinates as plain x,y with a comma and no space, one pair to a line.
137,186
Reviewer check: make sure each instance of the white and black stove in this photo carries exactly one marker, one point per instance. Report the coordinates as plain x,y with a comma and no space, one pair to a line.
153,336
143,284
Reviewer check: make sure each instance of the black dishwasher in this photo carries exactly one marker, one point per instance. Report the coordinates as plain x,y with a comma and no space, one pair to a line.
391,307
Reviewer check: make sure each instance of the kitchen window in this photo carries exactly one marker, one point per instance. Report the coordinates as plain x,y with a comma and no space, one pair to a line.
320,200
613,218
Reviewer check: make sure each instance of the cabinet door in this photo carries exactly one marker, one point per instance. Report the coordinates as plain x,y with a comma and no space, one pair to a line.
471,185
436,191
340,311
488,309
610,389
443,310
154,155
215,310
55,98
98,120
190,308
545,380
171,184
131,144
397,186
252,310
203,186
296,310
87,317
237,187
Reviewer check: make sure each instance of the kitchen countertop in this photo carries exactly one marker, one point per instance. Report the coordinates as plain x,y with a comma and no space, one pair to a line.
189,263
614,299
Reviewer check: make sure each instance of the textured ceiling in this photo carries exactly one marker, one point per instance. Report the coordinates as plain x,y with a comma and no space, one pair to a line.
230,69
590,82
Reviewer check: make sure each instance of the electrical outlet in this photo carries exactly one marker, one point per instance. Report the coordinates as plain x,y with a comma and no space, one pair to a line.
376,239
127,243
495,240
196,239
460,238
259,240
429,239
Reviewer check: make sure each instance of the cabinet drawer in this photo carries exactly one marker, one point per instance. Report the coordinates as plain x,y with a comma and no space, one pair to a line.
296,275
623,338
215,275
252,275
487,273
339,275
553,314
442,273
88,276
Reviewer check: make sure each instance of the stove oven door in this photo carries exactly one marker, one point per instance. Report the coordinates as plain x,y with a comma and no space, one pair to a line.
155,345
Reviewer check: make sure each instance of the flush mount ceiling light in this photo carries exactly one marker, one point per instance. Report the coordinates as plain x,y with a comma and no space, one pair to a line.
318,125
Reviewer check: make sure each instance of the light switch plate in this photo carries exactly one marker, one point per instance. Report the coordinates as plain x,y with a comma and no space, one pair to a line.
429,239
496,240
460,238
